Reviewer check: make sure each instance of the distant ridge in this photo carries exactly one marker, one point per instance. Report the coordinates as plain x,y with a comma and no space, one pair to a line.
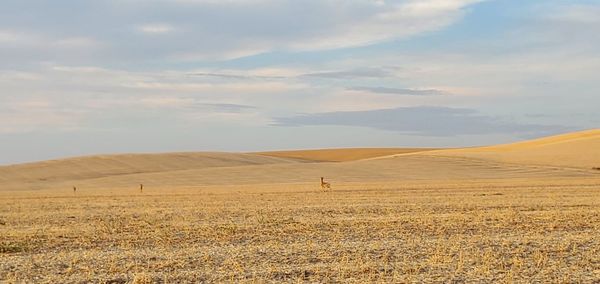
572,155
342,154
577,150
99,166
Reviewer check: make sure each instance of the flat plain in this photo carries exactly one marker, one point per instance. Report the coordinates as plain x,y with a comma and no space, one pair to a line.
524,212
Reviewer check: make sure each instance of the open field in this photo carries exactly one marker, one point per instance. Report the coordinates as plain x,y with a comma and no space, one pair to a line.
342,155
470,231
432,216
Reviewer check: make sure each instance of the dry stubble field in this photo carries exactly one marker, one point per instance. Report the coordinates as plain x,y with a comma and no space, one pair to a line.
527,212
462,231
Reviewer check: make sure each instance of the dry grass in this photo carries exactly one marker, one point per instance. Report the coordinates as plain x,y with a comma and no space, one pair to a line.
460,231
40,175
510,213
342,155
575,150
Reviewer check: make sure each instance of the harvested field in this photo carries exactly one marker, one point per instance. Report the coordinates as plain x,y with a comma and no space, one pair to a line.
342,155
434,216
471,231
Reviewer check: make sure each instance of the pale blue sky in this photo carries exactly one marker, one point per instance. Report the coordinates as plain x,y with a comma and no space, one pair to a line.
90,77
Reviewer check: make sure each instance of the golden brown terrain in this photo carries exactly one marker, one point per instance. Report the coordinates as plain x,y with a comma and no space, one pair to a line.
342,155
431,216
576,150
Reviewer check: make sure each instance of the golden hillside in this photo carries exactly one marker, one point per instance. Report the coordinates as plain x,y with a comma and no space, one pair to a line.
576,150
342,155
39,174
564,156
402,169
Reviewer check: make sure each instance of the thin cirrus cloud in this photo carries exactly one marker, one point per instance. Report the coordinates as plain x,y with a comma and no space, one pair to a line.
11,37
383,22
399,91
227,108
235,76
276,74
20,39
422,120
223,30
365,72
247,28
156,29
193,104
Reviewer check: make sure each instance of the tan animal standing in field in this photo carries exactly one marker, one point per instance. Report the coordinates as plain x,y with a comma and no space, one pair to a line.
324,184
74,189
141,188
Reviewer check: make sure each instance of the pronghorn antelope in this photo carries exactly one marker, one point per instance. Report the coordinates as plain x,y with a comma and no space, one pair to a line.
324,184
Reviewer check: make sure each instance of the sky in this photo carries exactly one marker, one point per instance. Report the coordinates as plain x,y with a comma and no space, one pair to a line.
138,76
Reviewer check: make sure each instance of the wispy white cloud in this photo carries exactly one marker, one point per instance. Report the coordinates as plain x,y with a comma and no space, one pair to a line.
209,30
356,23
37,114
388,20
77,97
76,43
426,121
7,37
212,2
156,28
227,53
574,13
399,91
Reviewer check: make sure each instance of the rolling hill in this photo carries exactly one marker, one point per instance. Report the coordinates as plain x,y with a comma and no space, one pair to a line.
41,174
563,156
575,150
342,155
